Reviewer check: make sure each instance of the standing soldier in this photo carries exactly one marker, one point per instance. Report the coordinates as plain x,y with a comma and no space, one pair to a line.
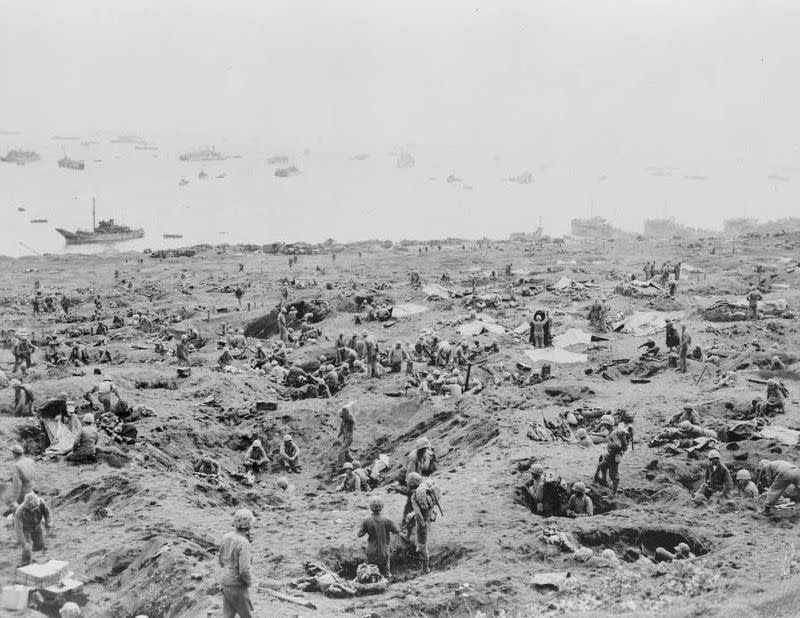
282,330
378,530
686,341
753,297
345,437
235,557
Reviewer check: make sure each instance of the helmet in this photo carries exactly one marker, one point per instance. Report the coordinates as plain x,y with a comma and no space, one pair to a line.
579,487
347,466
683,547
63,396
88,418
764,463
287,438
422,442
398,344
743,475
243,519
183,337
414,479
537,469
628,416
376,503
607,419
283,483
685,426
14,383
17,450
580,434
713,454
356,463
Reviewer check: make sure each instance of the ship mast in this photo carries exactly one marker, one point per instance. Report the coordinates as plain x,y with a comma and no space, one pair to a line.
94,227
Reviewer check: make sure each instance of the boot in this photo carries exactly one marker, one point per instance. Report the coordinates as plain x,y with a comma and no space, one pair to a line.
425,564
614,485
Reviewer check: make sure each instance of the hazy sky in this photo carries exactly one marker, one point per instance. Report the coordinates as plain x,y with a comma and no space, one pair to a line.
651,78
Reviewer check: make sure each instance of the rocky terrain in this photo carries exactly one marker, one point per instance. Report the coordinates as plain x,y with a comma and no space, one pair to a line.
142,530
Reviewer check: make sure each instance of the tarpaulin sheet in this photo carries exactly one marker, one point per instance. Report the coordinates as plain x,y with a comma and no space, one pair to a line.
573,336
641,324
61,436
402,311
555,355
434,290
476,327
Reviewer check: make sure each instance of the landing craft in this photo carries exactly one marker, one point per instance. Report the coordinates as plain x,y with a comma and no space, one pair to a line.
102,232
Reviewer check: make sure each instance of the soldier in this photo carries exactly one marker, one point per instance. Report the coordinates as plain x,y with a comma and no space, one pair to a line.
745,486
781,475
424,500
686,341
752,298
717,479
378,530
345,437
579,505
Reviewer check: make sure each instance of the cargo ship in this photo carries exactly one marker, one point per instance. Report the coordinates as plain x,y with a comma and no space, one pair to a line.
102,232
20,157
70,163
206,153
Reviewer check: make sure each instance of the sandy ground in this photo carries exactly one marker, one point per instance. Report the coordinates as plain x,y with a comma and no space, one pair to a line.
155,552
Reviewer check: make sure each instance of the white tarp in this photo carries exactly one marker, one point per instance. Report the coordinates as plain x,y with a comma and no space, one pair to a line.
402,311
573,336
476,327
61,436
555,355
690,269
641,324
434,291
784,435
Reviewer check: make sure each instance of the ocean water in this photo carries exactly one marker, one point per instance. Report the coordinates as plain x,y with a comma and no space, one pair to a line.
337,197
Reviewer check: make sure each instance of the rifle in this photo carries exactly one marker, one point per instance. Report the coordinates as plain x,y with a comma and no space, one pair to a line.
436,502
466,381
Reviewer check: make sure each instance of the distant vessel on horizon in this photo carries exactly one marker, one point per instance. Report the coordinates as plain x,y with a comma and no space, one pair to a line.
204,153
20,157
129,139
38,220
70,163
102,232
146,147
172,235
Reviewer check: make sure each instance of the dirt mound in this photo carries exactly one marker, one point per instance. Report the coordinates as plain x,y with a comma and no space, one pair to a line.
267,326
98,499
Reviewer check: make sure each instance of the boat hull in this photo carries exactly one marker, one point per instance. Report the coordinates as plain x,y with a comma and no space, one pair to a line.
94,239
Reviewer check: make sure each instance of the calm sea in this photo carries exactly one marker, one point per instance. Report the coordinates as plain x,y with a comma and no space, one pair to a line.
346,199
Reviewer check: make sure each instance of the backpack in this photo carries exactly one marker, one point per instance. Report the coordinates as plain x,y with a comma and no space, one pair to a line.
427,496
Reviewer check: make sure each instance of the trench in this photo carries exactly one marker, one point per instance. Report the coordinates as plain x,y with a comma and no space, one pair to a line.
630,543
555,501
405,564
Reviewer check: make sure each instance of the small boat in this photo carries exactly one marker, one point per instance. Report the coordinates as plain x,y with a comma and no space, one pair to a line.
103,232
71,163
183,182
221,175
202,175
38,220
21,209
173,235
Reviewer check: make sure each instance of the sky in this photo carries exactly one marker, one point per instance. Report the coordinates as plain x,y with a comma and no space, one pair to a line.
687,83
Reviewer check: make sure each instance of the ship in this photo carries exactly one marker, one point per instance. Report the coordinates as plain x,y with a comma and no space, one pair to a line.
128,139
202,175
183,182
172,235
146,147
205,153
38,220
102,232
70,163
596,227
20,157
